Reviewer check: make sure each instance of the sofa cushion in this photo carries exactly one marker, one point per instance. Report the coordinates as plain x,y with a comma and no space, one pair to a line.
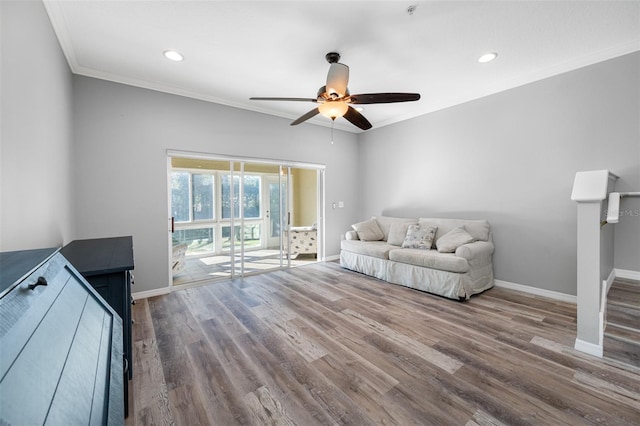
368,230
384,222
453,239
398,232
419,237
479,229
430,259
379,249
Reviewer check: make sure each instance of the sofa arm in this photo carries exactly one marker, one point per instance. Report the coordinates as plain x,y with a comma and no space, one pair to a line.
351,235
475,249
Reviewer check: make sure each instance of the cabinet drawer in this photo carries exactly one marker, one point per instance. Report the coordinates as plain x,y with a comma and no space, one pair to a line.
60,351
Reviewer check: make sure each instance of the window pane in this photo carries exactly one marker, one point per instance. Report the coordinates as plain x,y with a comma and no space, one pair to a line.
198,241
180,196
203,206
274,197
251,196
252,236
226,196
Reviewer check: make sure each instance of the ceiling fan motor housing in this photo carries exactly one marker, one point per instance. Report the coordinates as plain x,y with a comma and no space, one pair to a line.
332,57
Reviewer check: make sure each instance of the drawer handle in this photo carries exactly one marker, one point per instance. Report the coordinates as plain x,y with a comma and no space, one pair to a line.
41,281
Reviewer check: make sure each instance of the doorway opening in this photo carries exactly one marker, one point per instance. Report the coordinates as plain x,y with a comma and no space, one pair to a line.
232,217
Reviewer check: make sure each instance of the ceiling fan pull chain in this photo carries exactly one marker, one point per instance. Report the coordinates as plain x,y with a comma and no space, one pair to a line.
333,120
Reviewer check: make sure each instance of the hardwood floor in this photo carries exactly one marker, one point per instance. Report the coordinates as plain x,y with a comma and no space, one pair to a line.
622,332
209,268
320,345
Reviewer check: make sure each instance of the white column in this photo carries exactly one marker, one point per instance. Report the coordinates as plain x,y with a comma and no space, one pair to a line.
590,189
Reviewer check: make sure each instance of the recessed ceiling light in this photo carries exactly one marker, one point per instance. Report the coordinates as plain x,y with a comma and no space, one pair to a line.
487,57
173,55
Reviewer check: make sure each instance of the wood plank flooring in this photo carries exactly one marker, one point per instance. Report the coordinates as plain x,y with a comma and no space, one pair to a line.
622,332
320,345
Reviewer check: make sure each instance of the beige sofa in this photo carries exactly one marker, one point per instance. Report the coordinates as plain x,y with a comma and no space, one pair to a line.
455,263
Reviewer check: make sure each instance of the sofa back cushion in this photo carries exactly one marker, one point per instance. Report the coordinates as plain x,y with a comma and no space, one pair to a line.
479,229
384,222
453,239
398,232
368,230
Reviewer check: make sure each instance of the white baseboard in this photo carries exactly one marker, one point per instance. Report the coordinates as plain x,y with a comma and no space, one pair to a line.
589,348
332,258
629,275
537,291
151,293
609,282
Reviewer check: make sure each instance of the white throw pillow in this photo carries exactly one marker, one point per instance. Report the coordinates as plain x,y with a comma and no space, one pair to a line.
397,233
419,237
453,239
368,230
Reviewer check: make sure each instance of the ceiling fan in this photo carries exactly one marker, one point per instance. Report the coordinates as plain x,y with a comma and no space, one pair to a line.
335,100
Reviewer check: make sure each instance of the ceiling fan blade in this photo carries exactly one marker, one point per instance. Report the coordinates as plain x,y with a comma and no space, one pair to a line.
305,117
337,79
383,98
285,99
357,119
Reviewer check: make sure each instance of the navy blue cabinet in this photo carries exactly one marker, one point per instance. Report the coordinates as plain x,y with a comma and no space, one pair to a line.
107,264
61,352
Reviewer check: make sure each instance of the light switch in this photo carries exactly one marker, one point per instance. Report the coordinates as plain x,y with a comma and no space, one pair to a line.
340,204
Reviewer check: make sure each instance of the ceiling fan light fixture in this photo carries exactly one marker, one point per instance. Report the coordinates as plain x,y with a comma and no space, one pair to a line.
333,109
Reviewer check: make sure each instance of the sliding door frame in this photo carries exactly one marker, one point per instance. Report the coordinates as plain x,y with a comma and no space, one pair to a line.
285,202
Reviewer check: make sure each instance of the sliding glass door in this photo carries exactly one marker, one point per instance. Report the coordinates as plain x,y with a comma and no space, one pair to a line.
232,217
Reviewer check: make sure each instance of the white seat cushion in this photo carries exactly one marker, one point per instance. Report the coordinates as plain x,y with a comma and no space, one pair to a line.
379,249
430,259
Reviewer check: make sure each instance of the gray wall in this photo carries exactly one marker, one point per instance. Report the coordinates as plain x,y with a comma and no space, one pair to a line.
36,140
122,134
511,158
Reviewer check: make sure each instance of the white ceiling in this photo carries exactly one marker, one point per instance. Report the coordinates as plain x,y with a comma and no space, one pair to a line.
237,49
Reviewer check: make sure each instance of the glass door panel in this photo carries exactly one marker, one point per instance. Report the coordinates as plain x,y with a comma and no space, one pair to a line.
277,213
195,203
199,240
261,218
252,237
